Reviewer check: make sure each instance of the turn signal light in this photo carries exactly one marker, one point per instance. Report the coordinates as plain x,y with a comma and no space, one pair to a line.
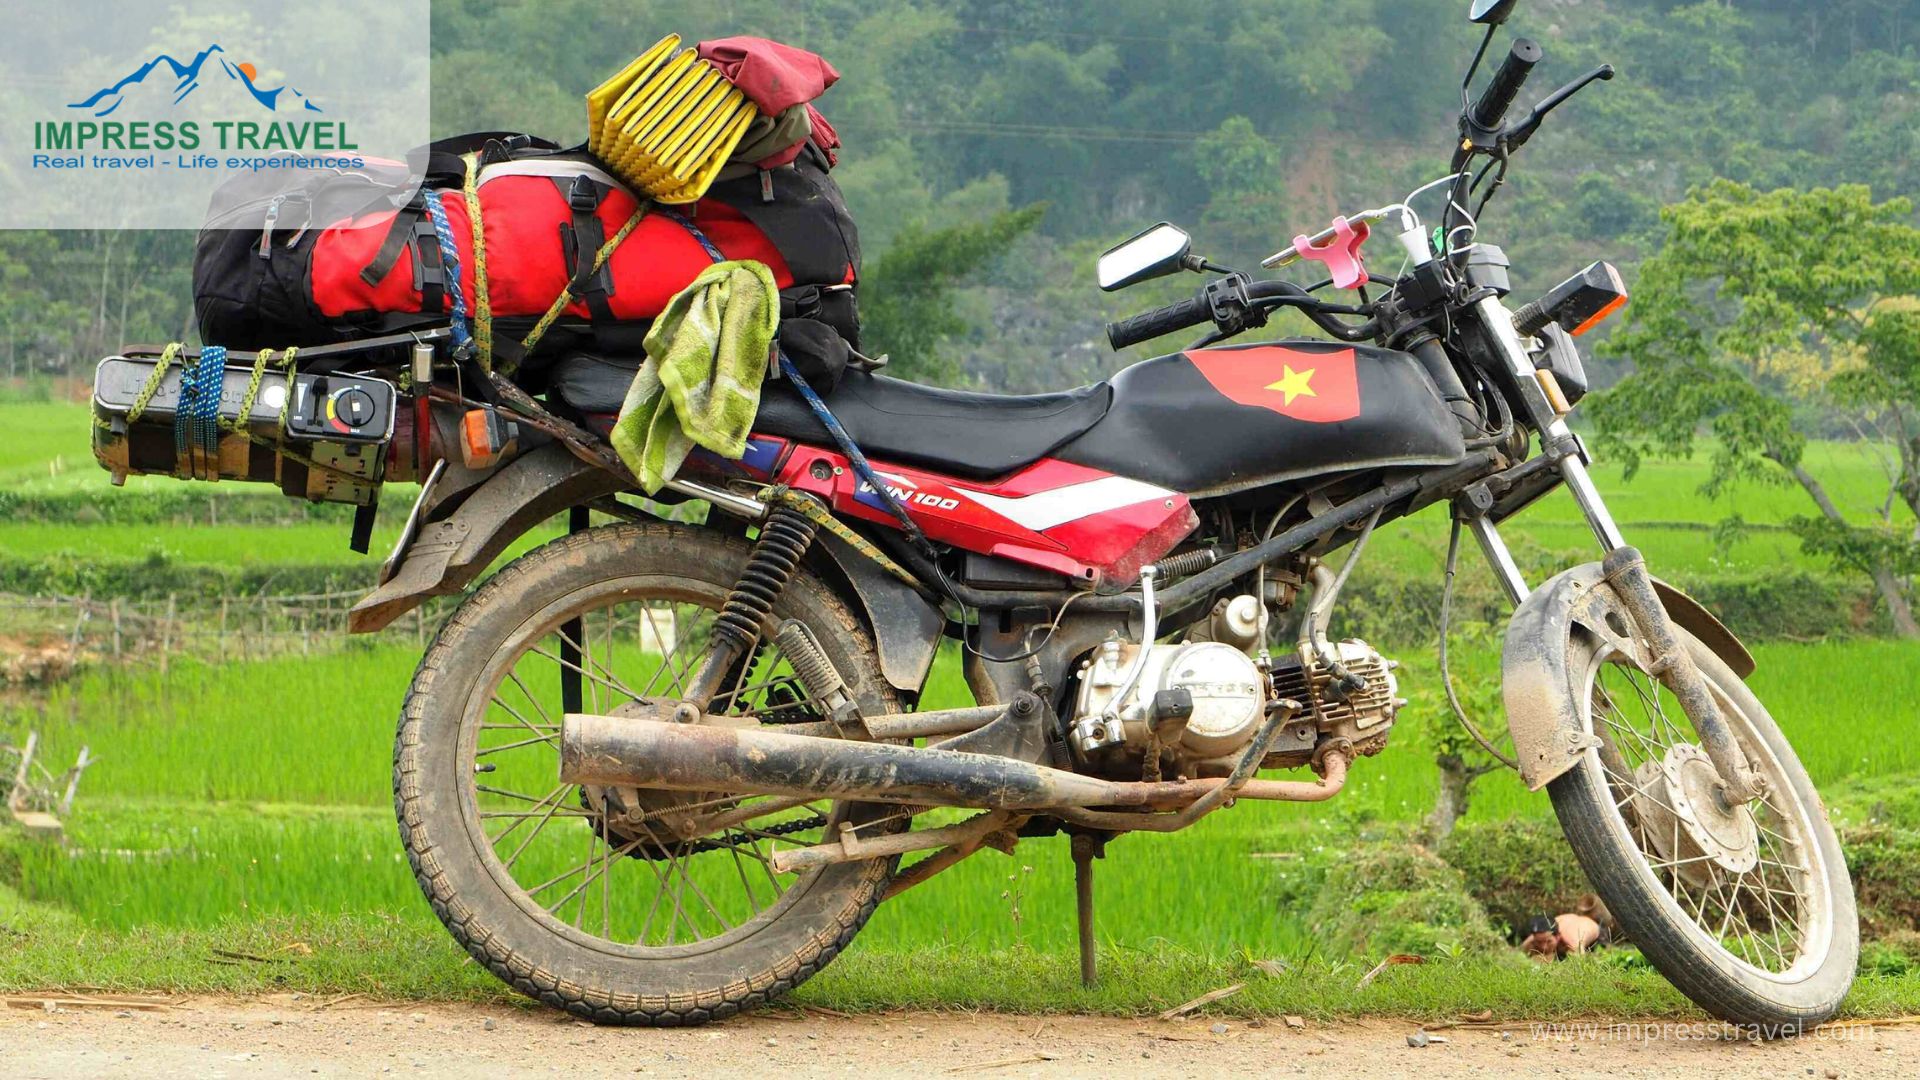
1578,304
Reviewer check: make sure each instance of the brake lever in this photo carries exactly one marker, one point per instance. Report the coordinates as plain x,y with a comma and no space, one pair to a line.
1517,135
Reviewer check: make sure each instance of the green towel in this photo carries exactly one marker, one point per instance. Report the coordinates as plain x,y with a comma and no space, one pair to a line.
706,358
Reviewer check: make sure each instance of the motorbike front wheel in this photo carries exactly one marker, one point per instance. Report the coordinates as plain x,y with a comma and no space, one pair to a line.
1747,909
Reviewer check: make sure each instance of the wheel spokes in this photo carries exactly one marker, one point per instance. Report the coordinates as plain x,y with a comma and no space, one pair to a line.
659,869
1758,914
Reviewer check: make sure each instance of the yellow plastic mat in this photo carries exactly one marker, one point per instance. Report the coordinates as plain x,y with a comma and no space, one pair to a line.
666,124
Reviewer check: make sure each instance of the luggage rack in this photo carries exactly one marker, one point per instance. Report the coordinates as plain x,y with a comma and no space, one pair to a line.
316,352
294,417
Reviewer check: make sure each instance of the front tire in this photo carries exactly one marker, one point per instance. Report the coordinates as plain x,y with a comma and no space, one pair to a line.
503,869
1748,910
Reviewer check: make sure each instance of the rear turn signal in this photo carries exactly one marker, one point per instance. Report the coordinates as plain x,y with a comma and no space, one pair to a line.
1578,304
486,437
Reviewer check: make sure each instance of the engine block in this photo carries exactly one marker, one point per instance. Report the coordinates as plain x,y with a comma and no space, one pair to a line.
1202,702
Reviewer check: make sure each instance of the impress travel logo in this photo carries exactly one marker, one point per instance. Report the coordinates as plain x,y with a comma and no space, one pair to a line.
186,80
164,83
128,114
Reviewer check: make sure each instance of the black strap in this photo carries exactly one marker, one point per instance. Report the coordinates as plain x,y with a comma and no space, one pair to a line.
580,243
429,267
398,235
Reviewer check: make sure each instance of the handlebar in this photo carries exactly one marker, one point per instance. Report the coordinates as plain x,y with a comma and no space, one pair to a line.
1152,324
1492,107
1262,295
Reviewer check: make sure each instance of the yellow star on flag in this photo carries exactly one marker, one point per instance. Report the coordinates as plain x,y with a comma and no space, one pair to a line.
1295,384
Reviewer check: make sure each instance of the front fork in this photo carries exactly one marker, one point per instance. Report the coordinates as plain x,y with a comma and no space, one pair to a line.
1625,569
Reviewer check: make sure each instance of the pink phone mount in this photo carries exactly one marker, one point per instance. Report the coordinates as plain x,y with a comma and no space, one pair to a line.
1341,254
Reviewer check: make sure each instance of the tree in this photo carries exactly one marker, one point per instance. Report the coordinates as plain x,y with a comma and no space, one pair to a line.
1457,755
907,295
1760,315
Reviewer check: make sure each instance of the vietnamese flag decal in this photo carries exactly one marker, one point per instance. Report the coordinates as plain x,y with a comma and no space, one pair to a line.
1317,387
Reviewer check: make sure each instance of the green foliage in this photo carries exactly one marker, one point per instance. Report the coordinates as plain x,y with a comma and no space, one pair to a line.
69,297
1757,306
1391,896
908,306
1885,862
1516,869
1249,120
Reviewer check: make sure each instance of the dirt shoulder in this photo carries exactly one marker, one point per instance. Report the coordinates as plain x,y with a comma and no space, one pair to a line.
290,1036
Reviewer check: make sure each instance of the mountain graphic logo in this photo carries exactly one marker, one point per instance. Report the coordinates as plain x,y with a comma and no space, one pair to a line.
165,75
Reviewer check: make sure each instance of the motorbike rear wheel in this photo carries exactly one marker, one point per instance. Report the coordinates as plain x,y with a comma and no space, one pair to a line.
614,904
1748,909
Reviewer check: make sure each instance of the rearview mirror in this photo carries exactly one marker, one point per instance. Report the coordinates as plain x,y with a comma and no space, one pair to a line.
1491,12
1157,252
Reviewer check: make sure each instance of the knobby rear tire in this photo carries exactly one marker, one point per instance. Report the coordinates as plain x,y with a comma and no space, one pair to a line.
541,961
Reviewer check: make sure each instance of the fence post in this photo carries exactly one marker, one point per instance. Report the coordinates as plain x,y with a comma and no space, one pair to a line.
79,621
166,634
113,610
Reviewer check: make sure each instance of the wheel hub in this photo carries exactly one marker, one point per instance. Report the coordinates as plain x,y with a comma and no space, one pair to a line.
655,819
1678,799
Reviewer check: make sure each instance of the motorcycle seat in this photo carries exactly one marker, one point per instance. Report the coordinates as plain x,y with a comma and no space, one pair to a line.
956,432
964,434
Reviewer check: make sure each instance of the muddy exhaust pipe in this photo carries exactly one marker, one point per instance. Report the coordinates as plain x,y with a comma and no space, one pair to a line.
696,757
632,752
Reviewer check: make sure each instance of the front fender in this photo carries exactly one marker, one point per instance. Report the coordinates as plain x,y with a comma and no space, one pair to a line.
1537,680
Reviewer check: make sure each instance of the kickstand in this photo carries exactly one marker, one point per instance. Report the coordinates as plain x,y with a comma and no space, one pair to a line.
1086,848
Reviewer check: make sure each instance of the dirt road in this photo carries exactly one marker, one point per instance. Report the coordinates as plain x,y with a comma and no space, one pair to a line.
294,1037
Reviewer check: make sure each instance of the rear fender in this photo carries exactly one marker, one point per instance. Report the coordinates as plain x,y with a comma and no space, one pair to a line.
906,628
1538,682
449,553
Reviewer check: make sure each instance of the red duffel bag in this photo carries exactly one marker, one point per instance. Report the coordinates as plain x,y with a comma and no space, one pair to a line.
308,273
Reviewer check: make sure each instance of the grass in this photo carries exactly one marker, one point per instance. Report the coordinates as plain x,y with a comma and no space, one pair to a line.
392,958
245,806
234,791
48,454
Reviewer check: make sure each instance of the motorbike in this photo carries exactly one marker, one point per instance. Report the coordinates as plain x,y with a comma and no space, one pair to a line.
663,769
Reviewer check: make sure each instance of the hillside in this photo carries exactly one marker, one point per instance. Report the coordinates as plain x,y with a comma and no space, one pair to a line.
1246,120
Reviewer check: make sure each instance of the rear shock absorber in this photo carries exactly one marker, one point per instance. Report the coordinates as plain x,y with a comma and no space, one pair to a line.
782,543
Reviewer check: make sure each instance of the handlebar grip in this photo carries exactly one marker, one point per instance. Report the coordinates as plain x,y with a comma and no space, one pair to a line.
1152,324
1492,107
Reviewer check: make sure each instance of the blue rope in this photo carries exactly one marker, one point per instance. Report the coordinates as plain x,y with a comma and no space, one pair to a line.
855,458
450,259
196,420
687,224
861,468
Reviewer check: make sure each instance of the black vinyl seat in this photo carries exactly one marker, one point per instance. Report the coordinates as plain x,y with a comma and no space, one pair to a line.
978,436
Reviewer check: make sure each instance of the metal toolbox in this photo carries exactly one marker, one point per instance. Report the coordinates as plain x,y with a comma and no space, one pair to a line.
332,448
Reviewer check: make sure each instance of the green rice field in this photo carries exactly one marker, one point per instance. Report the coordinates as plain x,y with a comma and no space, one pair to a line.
250,801
49,456
227,791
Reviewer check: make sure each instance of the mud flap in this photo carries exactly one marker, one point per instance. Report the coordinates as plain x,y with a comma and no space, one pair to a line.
1548,726
906,628
448,554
